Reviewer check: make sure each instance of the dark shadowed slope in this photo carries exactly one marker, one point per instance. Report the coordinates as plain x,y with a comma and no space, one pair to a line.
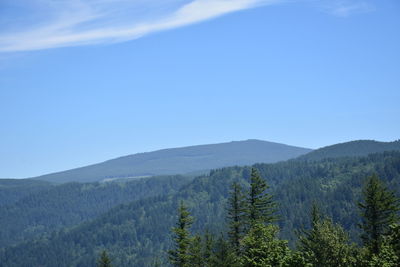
181,160
351,149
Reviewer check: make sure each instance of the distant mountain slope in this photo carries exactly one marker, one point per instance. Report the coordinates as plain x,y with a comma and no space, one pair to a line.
181,161
72,203
351,149
12,190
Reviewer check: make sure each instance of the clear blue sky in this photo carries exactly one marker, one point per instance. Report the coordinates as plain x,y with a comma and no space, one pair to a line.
89,80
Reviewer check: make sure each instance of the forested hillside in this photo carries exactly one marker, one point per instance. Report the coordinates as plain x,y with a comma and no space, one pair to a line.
181,161
352,149
12,190
72,203
136,234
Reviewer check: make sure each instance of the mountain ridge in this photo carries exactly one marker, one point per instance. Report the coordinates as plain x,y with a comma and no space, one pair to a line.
181,160
351,149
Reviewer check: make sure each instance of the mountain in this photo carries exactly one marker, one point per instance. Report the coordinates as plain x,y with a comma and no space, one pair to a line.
352,149
181,161
136,233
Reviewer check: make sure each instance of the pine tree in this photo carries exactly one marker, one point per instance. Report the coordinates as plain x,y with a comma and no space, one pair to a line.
208,249
308,239
179,256
260,205
196,258
104,260
394,240
236,212
261,248
325,244
389,252
378,210
223,255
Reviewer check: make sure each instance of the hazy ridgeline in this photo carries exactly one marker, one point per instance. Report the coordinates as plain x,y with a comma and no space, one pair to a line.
132,219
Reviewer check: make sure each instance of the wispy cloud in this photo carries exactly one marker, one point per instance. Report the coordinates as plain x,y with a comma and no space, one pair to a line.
42,24
345,8
51,24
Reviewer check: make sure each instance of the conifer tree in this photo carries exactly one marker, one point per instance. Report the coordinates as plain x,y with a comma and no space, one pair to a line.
261,248
236,212
208,249
308,239
386,257
394,240
223,255
260,205
325,244
179,256
196,258
104,260
379,209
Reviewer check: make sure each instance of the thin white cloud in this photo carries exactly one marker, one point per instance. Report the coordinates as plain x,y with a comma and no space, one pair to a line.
345,8
83,22
27,25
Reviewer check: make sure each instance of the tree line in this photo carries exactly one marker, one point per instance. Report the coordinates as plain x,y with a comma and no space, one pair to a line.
137,233
252,236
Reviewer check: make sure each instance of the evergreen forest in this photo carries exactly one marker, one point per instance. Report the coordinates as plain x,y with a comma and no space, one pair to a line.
134,223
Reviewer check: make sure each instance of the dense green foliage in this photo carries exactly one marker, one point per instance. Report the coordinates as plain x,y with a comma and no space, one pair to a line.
260,206
261,247
379,210
136,234
181,161
236,216
325,244
12,190
180,255
73,203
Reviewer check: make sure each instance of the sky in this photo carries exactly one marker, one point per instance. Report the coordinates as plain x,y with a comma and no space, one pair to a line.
83,81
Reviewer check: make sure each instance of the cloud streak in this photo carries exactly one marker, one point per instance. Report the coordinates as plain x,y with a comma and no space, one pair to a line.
43,24
345,8
79,22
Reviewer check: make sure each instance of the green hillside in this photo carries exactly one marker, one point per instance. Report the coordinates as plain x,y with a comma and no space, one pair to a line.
72,203
352,149
12,190
136,233
181,161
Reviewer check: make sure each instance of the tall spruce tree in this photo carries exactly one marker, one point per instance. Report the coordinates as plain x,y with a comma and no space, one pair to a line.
223,255
394,240
208,248
179,256
236,216
260,205
196,258
325,244
104,260
308,238
262,248
379,209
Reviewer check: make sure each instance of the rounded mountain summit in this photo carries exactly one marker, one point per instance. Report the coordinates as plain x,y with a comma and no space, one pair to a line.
183,160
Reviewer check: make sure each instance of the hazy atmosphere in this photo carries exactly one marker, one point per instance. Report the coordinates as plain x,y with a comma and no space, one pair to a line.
199,133
305,73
